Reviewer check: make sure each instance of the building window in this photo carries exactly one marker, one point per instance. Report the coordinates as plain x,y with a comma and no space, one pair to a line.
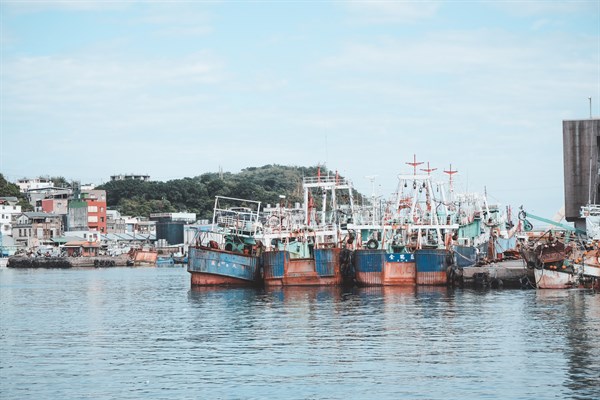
93,209
101,219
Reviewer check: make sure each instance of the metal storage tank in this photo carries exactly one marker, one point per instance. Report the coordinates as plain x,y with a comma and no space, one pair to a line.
172,232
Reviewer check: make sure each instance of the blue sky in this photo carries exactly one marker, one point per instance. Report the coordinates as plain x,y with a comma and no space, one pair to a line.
180,88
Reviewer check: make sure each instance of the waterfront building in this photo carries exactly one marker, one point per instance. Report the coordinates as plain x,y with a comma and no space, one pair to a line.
96,209
86,210
33,229
8,211
77,217
56,202
115,223
82,248
37,195
170,226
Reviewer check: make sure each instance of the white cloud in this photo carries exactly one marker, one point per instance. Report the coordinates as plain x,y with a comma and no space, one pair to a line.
488,101
377,12
527,8
34,6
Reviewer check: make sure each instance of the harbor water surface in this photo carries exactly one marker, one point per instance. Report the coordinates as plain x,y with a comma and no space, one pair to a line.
143,333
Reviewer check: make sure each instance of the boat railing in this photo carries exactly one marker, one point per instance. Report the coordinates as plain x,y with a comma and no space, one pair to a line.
326,180
590,210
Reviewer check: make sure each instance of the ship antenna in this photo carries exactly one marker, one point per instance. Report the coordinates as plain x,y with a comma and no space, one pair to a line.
429,170
414,164
450,172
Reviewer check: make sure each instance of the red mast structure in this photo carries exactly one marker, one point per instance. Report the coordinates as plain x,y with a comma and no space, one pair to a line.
414,164
450,172
429,170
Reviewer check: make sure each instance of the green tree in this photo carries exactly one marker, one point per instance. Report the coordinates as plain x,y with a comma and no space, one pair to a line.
8,189
197,194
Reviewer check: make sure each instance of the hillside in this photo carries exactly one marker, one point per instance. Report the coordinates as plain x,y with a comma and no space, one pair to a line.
197,194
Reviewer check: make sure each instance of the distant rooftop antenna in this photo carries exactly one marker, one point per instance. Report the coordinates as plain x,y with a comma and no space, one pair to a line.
372,179
590,99
414,164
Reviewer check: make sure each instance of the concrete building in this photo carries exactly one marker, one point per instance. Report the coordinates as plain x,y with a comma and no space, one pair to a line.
96,209
55,203
36,196
8,211
170,226
77,216
115,223
581,142
33,229
133,177
27,184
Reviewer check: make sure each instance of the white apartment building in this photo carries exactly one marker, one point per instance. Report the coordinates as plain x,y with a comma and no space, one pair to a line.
8,210
26,184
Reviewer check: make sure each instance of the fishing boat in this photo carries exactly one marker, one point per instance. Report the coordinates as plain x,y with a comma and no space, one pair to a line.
551,253
410,244
430,227
227,253
320,267
381,257
303,246
546,254
587,258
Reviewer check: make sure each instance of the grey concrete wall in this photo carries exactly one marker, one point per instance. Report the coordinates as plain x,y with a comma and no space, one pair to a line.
580,155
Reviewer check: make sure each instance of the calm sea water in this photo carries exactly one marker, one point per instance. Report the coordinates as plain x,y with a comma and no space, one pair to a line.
125,333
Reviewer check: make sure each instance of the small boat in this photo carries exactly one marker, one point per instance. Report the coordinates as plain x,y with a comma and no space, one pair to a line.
547,256
587,259
180,259
165,261
227,253
145,258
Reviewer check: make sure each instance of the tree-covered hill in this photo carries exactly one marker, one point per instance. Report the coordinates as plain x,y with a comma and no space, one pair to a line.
197,194
8,189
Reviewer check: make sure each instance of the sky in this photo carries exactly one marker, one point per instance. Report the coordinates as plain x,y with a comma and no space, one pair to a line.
176,89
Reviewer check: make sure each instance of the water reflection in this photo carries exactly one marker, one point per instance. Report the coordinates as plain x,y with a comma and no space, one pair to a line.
139,333
583,344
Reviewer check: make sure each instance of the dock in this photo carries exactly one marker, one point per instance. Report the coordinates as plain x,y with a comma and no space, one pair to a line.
66,262
506,273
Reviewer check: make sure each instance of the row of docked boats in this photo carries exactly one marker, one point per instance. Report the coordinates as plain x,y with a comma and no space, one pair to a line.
415,238
565,258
